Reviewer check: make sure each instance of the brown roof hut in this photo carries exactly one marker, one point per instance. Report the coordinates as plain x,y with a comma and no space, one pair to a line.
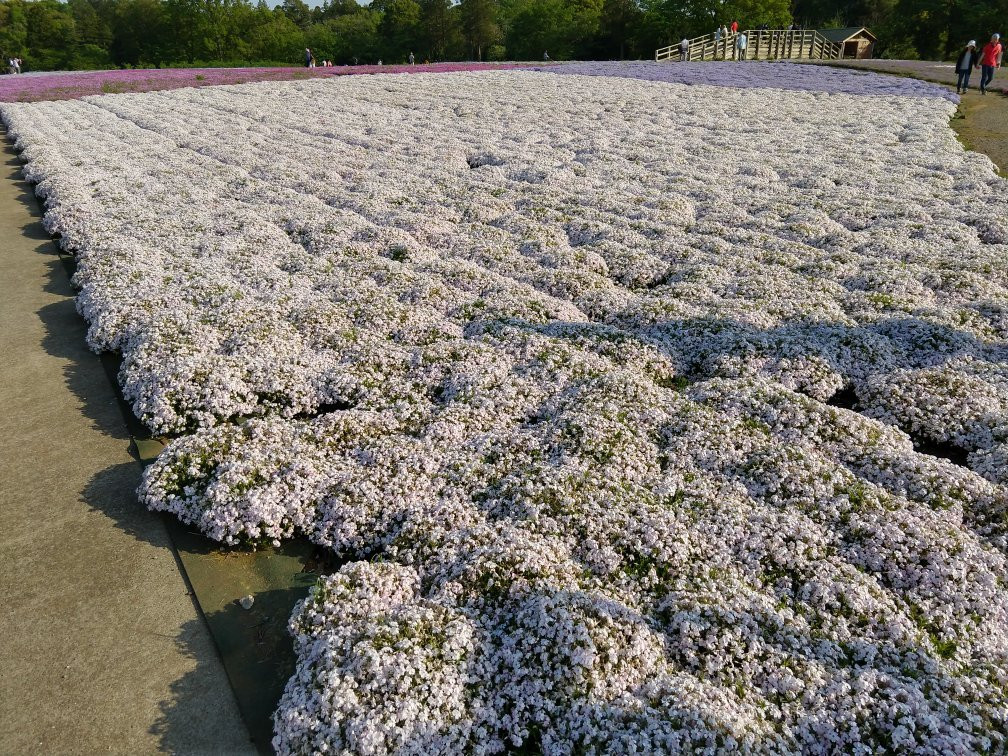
854,41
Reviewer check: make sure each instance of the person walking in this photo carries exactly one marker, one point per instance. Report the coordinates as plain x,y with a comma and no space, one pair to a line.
412,60
307,57
990,59
968,59
546,55
741,42
683,50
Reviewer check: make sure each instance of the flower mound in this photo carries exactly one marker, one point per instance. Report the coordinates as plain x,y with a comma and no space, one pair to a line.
763,74
649,419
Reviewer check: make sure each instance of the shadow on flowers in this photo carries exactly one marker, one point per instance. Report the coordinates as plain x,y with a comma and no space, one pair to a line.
705,347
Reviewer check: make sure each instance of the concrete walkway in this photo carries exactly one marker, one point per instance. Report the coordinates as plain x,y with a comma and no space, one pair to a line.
101,645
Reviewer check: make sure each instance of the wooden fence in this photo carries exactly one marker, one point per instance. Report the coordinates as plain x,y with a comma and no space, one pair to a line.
763,44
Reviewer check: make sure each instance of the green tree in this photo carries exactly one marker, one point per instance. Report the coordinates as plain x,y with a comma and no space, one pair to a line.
533,29
13,30
479,25
347,37
183,28
52,35
298,12
564,28
399,28
617,28
138,31
334,9
273,37
664,22
438,29
91,27
224,28
751,13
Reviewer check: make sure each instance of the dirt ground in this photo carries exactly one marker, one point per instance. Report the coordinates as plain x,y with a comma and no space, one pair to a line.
982,125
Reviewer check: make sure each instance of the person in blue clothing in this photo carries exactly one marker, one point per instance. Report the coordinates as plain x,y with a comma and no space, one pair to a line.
968,59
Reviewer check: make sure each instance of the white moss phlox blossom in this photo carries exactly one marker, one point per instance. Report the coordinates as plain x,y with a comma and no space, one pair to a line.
546,357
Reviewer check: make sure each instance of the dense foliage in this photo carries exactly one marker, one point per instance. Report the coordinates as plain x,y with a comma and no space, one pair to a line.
82,34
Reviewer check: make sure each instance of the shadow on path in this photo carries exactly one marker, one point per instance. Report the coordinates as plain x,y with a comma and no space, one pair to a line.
259,660
194,717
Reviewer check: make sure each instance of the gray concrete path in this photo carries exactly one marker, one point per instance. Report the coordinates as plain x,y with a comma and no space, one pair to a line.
101,646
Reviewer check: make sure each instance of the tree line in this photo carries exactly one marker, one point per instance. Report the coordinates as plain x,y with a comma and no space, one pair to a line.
83,34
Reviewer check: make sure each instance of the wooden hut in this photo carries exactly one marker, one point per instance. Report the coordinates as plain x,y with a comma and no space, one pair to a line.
854,41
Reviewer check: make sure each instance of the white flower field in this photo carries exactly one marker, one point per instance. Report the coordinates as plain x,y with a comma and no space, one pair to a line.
652,415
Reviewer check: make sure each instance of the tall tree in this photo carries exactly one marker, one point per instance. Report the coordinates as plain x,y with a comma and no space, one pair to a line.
399,27
298,12
52,34
619,21
438,28
479,25
13,30
139,33
275,38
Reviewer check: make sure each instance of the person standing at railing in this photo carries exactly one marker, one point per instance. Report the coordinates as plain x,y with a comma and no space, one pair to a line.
734,26
684,50
741,42
990,59
717,40
968,59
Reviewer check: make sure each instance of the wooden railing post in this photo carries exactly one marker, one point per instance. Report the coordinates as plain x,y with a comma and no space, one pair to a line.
762,44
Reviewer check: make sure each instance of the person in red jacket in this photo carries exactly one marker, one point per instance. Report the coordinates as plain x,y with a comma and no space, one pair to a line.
734,27
990,59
